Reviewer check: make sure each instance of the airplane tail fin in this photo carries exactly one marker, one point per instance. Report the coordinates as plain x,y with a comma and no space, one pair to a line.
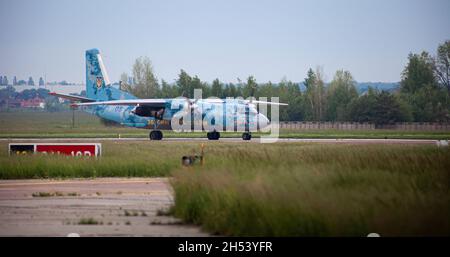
98,85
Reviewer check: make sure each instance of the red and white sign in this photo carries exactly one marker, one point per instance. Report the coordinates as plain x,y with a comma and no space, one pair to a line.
72,149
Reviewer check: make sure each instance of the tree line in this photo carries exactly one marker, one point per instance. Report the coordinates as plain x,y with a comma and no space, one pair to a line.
423,94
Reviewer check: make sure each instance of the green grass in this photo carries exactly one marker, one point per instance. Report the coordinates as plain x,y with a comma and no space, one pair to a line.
119,159
35,124
281,189
318,190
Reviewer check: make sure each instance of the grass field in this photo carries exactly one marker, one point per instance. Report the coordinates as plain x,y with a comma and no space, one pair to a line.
293,189
248,189
318,190
47,125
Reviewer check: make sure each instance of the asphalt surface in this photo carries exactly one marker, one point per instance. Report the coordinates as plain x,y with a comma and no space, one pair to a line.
122,207
239,140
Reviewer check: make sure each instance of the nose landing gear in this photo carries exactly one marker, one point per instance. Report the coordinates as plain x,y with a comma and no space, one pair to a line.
213,135
246,136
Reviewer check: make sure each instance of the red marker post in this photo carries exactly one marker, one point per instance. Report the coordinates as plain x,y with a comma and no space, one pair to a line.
71,149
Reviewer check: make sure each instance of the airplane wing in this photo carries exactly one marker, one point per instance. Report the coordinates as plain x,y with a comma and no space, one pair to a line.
158,102
72,97
146,102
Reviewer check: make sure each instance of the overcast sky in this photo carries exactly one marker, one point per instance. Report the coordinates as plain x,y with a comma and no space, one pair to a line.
220,39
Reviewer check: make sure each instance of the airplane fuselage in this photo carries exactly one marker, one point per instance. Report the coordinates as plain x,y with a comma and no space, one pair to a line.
227,116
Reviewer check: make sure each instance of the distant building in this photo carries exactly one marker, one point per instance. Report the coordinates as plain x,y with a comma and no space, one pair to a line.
30,82
15,81
33,103
10,103
41,81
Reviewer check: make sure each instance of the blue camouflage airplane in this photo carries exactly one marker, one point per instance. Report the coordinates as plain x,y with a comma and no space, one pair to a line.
211,115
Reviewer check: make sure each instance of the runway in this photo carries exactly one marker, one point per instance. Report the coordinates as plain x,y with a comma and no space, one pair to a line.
120,206
239,140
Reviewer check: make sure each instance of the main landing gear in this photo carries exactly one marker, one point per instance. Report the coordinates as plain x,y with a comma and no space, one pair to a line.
156,135
246,136
216,135
213,135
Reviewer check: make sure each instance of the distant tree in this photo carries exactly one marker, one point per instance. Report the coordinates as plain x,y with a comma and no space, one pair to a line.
30,81
7,93
21,82
250,88
196,83
41,81
52,104
124,83
145,83
184,84
42,93
340,93
442,65
379,108
420,89
167,91
289,93
27,94
230,90
266,90
15,80
315,95
417,73
387,109
362,109
217,89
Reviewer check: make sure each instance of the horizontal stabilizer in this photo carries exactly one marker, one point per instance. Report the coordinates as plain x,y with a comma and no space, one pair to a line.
73,98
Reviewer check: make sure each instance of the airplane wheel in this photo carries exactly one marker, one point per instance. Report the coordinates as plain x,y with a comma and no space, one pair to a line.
246,136
156,135
213,135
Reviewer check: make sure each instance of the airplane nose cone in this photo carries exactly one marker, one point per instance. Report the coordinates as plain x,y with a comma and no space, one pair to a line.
263,121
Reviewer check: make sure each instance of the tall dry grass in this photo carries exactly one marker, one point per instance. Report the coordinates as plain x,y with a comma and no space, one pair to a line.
317,190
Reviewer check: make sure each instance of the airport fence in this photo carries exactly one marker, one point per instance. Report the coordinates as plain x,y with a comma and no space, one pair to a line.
408,126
